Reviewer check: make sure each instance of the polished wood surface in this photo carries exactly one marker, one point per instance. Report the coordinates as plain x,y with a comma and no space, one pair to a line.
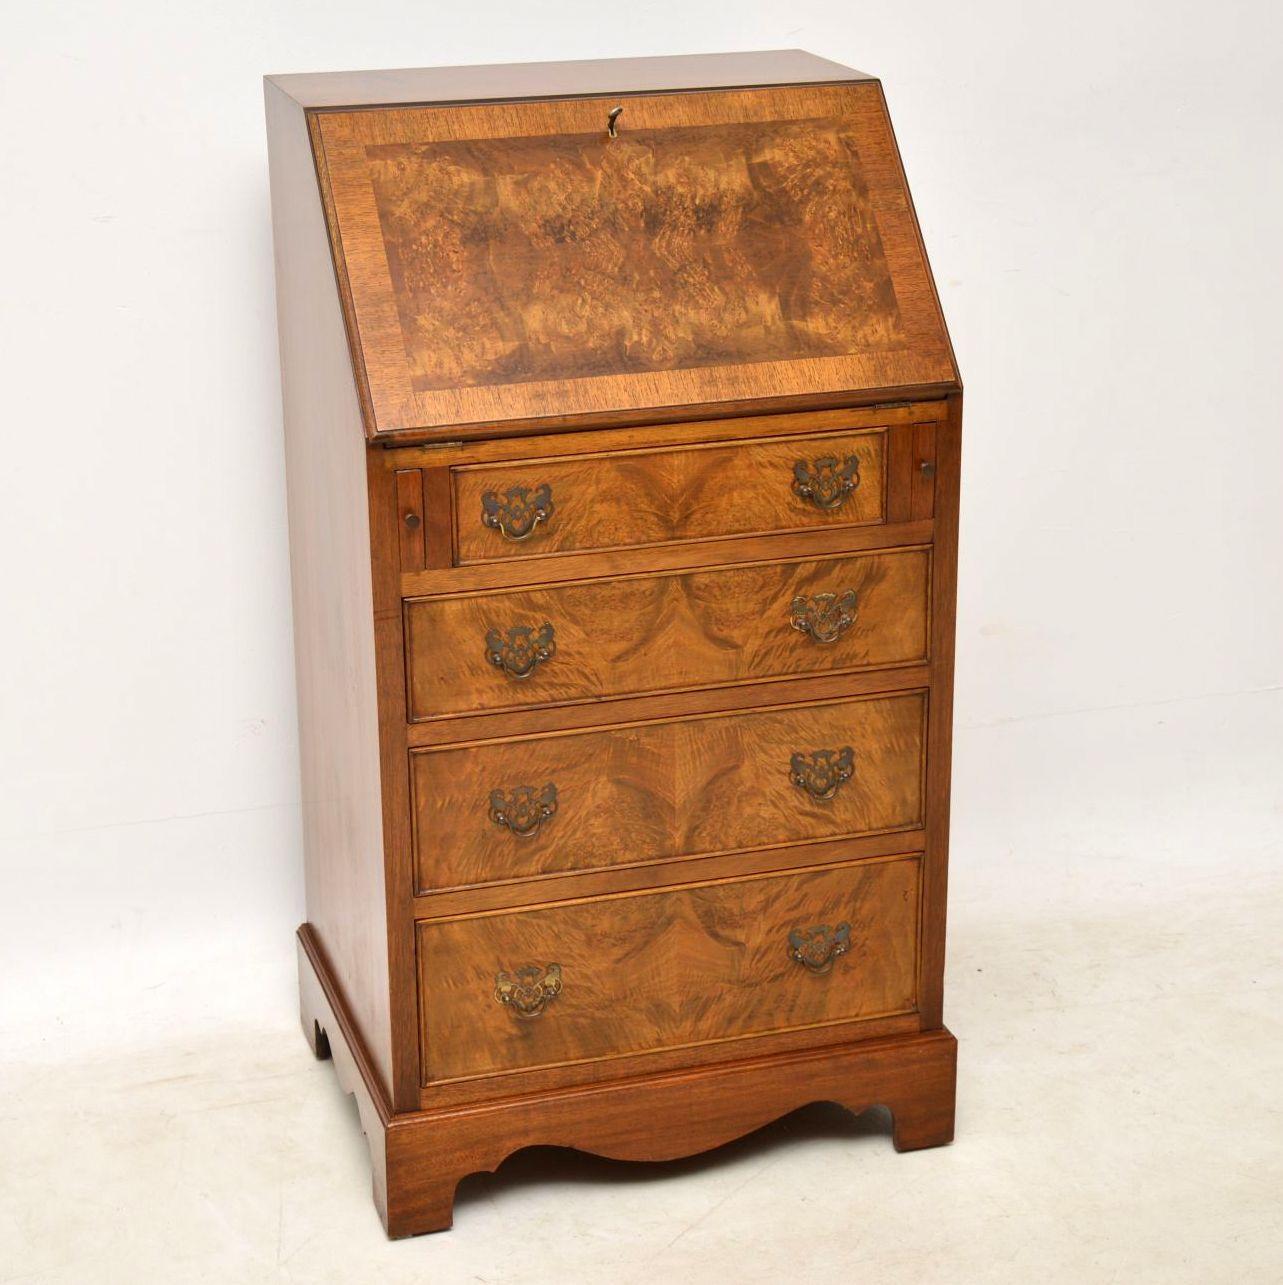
410,508
624,481
419,1157
516,80
652,633
662,249
726,246
600,880
389,656
616,712
670,789
570,568
329,522
947,485
692,493
657,970
733,426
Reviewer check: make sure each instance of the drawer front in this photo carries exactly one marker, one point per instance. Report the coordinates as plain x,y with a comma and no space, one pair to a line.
644,972
637,634
632,498
536,805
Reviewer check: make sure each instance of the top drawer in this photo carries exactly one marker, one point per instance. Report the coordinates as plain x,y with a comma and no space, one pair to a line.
625,499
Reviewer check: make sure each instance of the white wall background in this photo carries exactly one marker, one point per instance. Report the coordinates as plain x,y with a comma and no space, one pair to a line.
1100,189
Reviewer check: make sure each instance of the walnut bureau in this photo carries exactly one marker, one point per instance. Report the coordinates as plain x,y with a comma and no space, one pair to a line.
622,439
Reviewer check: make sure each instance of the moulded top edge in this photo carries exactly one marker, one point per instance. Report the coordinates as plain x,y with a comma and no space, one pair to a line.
319,91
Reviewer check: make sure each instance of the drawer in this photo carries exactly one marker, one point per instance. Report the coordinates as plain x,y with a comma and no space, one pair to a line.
535,805
627,498
630,635
642,972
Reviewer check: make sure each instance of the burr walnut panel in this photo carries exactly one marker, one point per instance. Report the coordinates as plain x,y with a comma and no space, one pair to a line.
512,261
658,250
659,970
643,497
635,634
655,791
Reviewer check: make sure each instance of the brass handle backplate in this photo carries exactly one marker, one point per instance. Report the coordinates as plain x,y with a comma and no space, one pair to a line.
824,617
518,511
519,651
523,809
528,990
821,773
816,948
826,482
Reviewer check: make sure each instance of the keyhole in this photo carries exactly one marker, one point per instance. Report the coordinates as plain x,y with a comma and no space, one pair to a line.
612,122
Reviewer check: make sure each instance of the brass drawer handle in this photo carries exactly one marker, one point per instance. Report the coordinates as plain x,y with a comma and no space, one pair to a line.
826,482
517,512
821,773
523,809
528,990
816,948
520,650
824,617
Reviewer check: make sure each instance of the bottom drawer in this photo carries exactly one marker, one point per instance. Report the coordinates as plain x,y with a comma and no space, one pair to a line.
640,972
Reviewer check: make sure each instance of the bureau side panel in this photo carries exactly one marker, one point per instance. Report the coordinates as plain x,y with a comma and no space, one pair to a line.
332,594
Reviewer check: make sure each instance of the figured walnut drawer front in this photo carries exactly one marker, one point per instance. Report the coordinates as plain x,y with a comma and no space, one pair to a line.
536,805
662,496
658,970
637,634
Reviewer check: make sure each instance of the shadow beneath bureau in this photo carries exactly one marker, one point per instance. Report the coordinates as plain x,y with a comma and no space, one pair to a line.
420,1158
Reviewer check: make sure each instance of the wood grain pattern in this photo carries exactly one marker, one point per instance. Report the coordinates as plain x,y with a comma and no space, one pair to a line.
658,497
632,876
389,665
751,245
514,260
689,779
409,497
658,970
664,790
814,689
419,1157
516,80
652,633
922,500
948,456
569,568
334,654
730,426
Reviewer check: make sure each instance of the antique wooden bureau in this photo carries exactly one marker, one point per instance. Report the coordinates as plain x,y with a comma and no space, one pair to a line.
622,434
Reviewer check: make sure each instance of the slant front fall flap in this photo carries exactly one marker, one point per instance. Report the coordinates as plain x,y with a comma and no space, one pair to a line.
515,261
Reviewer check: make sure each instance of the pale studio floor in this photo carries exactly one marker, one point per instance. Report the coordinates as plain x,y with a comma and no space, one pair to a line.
1114,979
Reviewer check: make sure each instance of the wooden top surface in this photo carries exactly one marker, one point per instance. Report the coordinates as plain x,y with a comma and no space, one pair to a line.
509,264
330,89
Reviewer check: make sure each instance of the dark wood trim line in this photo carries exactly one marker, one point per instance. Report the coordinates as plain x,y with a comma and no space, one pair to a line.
710,411
749,696
665,872
663,559
729,428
